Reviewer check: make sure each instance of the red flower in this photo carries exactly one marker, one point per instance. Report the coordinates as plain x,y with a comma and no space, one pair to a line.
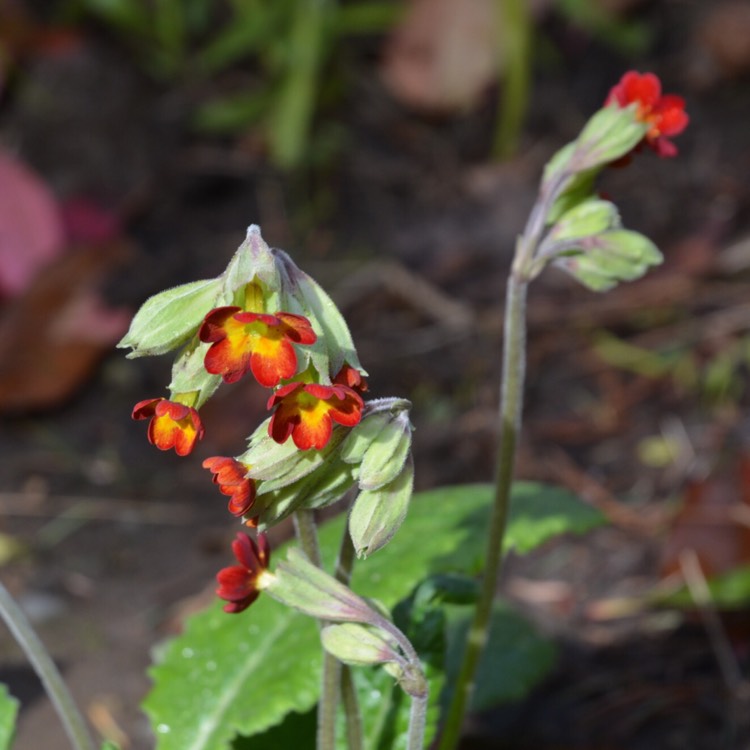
229,475
352,377
307,413
238,584
664,115
173,425
243,341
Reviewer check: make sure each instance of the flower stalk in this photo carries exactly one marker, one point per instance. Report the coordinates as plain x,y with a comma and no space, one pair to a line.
36,653
514,366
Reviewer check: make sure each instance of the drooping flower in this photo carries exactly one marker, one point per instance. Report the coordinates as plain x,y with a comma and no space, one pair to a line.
351,377
173,425
230,476
239,584
307,411
242,341
664,114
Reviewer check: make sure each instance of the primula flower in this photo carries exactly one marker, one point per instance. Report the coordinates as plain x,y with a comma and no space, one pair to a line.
664,115
242,341
351,377
173,425
239,584
307,413
230,476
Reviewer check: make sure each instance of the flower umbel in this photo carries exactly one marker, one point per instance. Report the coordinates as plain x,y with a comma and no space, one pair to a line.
307,413
239,584
242,341
664,115
230,476
173,425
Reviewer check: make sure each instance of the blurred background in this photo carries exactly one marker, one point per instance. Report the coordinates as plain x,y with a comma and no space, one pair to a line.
394,149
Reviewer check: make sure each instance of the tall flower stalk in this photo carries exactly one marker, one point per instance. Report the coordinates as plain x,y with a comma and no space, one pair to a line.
570,226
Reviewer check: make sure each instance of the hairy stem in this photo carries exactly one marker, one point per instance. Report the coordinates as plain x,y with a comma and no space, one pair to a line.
307,534
19,626
417,719
354,731
514,365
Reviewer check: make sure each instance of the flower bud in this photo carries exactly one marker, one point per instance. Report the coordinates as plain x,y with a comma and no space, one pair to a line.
170,318
334,346
360,645
611,257
385,457
190,376
609,134
377,514
254,260
590,217
305,587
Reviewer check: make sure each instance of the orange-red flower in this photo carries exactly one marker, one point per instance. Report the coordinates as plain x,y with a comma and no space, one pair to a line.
664,115
238,584
173,425
307,411
242,341
352,377
230,476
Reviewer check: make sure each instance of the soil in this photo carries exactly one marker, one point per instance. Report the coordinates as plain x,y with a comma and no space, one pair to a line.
411,228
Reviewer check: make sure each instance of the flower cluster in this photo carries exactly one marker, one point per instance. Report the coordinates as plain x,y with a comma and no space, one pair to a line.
265,317
664,114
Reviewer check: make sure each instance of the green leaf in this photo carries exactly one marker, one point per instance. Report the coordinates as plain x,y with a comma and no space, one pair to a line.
515,659
242,674
296,731
8,712
231,114
729,591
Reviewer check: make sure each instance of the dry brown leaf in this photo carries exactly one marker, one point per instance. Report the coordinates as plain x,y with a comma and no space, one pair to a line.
53,335
443,55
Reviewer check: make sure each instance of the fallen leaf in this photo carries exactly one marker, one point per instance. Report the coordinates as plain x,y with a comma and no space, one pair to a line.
443,55
53,336
31,229
714,521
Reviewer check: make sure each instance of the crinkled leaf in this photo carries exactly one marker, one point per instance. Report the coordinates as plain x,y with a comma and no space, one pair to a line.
515,658
170,318
8,712
242,674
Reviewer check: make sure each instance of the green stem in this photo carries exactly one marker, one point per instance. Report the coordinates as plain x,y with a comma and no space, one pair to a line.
514,365
417,719
354,731
19,626
307,534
